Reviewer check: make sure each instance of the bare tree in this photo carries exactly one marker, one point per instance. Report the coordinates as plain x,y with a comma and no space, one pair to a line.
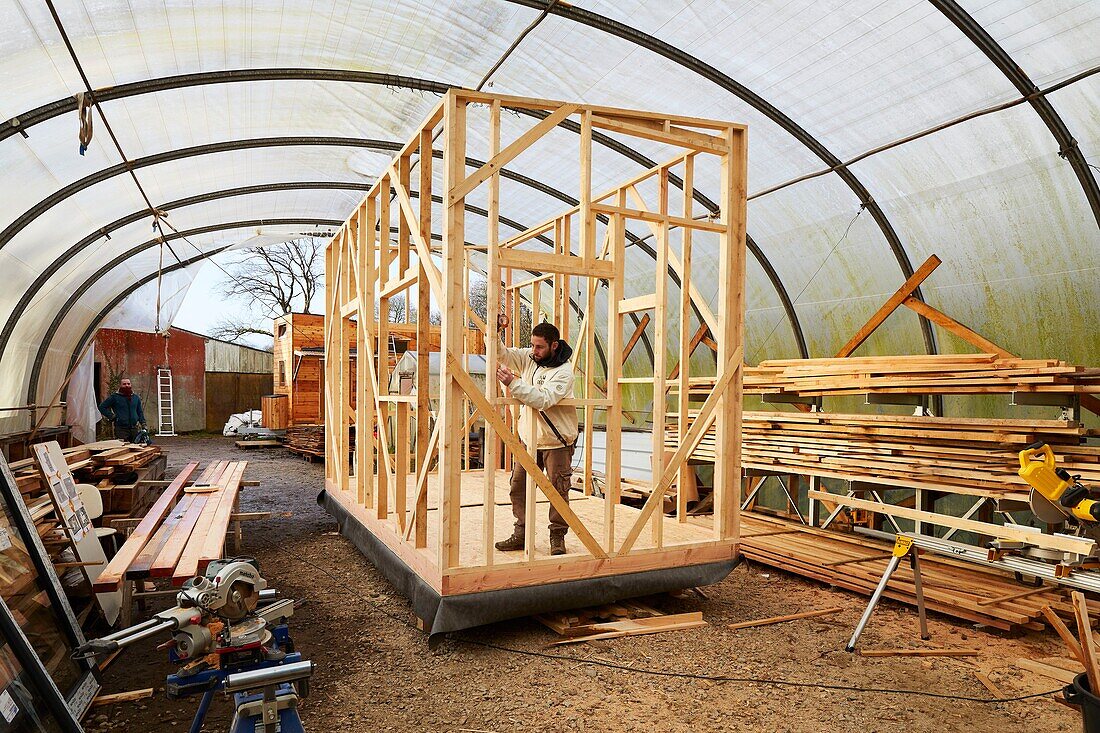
479,304
271,281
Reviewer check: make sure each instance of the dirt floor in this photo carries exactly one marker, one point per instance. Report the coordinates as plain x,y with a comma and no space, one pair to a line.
376,673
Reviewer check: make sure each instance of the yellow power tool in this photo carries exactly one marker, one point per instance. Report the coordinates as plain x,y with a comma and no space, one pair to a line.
1055,495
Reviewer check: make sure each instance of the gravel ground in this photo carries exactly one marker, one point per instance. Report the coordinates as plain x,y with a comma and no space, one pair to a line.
376,673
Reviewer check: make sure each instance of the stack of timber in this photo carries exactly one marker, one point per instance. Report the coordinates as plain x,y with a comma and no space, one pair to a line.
121,471
958,589
939,374
957,455
125,474
306,440
183,531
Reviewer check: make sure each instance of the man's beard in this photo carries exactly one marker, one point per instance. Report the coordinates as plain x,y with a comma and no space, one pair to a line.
547,361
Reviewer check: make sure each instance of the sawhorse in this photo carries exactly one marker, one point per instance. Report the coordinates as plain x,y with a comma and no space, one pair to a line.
904,546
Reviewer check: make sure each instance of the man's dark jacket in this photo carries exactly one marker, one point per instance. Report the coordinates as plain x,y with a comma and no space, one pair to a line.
123,411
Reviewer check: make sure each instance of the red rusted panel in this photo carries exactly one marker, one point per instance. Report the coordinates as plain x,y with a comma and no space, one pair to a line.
137,355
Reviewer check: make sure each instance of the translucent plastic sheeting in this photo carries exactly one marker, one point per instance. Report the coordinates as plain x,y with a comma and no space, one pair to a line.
991,196
153,307
81,410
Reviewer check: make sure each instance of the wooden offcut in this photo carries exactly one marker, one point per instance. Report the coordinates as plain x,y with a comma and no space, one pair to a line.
784,619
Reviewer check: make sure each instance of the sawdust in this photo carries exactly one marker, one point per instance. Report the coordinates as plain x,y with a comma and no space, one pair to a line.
376,673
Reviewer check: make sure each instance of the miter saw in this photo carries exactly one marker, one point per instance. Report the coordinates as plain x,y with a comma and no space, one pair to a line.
229,633
1060,498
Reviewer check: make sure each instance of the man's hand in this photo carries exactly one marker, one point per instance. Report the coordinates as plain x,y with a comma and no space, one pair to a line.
502,322
505,375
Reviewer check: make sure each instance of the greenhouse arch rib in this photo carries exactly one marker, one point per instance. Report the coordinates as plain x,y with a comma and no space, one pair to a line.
22,122
705,70
1067,144
213,195
35,376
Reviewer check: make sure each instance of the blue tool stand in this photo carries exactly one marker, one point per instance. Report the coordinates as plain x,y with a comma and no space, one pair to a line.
210,681
247,719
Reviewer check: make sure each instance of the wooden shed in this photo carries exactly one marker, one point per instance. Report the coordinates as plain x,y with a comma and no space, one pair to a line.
300,352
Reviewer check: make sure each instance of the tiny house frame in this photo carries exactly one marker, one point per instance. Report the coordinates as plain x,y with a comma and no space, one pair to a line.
405,484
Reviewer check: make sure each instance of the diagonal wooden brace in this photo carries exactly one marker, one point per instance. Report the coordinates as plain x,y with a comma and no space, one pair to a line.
467,384
694,434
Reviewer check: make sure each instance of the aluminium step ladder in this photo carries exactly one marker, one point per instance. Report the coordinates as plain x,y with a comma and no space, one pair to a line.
167,426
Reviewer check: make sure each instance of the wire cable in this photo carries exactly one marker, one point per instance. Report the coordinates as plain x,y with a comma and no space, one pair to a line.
515,44
82,102
758,349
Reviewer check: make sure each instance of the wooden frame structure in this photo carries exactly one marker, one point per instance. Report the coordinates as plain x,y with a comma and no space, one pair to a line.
405,483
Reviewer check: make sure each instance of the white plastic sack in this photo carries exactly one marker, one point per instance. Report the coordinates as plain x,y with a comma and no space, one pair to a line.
252,418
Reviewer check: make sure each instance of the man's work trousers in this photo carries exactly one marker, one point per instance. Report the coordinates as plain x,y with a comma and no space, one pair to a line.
126,433
558,465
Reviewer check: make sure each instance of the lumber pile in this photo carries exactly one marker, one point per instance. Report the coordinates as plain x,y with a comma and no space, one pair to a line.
965,591
923,374
306,440
958,455
183,531
121,472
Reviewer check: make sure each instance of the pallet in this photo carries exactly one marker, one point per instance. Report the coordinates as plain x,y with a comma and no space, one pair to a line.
249,444
625,618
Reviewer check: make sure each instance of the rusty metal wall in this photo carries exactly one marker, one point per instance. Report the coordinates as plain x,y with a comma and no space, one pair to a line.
137,355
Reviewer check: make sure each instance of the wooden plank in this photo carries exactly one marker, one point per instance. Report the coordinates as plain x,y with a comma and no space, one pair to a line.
1046,670
1013,596
918,652
1054,542
702,225
460,190
1066,635
214,543
989,685
950,324
180,535
128,696
452,293
111,577
640,626
634,339
782,619
142,564
1084,634
670,134
890,305
554,263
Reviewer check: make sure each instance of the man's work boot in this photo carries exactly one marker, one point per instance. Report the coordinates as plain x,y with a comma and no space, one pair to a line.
515,542
557,543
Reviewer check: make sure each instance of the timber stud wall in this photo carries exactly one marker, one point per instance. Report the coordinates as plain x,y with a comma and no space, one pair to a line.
405,480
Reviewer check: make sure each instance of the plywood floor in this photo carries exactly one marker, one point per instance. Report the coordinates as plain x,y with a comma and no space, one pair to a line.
590,510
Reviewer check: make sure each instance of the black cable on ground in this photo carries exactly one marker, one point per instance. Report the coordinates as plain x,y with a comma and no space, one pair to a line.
673,673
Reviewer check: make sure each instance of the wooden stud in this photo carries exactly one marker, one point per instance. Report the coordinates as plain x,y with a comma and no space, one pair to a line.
450,403
492,340
684,364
